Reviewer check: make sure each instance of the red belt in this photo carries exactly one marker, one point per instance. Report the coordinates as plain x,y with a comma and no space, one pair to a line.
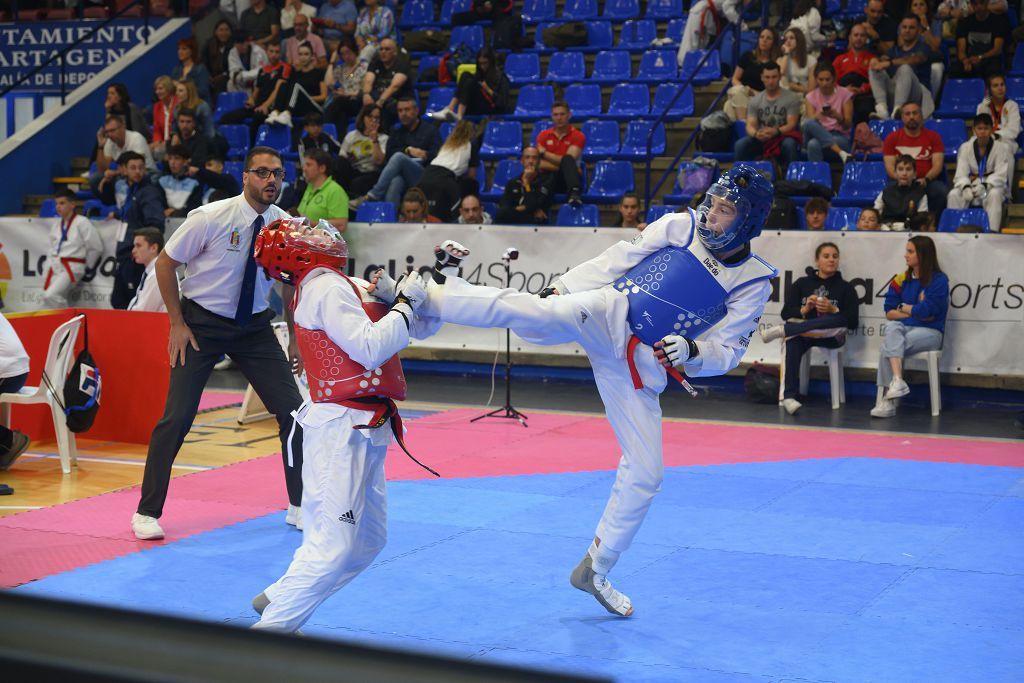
635,374
384,410
64,262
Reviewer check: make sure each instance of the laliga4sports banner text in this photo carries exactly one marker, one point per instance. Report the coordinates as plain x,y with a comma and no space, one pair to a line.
986,313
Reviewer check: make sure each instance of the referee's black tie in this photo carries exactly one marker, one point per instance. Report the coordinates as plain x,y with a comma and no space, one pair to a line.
245,297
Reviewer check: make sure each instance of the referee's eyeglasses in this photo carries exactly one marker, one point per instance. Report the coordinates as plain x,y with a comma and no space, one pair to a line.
264,173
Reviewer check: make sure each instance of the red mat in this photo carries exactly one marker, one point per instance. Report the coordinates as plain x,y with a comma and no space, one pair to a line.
219,399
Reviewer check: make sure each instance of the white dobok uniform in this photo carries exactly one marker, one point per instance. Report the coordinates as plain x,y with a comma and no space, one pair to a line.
72,244
594,310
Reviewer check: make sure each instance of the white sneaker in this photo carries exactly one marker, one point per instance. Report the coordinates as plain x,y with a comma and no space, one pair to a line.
146,528
772,333
845,156
294,516
791,405
444,114
271,117
897,388
884,408
225,364
880,112
285,118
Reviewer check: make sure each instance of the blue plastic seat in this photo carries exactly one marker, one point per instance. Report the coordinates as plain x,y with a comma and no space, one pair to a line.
637,34
586,216
566,67
274,135
522,67
612,66
621,9
663,95
472,36
502,139
602,139
238,140
710,71
235,170
951,219
48,209
534,101
506,170
228,101
332,130
600,36
842,218
748,41
814,171
450,7
612,179
579,10
674,31
885,127
438,98
861,183
539,127
634,144
766,167
854,9
376,212
427,62
1017,67
445,129
656,211
960,98
536,11
584,99
952,131
657,66
664,9
629,100
416,13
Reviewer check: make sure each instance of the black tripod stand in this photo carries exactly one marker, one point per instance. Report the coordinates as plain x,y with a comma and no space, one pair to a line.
507,411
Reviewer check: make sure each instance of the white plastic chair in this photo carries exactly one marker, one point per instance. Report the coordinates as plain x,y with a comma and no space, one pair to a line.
252,409
931,361
834,360
58,361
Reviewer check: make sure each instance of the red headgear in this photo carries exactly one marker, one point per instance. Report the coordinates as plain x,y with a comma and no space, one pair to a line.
289,248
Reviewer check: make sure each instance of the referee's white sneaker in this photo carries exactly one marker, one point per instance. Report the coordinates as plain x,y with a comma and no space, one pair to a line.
294,516
146,528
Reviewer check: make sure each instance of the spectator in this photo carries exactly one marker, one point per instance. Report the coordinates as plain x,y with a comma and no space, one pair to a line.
375,23
182,192
523,202
291,10
388,79
772,118
807,20
881,28
412,145
903,198
928,151
245,61
440,179
304,93
983,165
163,115
188,98
815,213
119,103
705,21
191,69
484,93
338,19
262,22
829,114
869,219
188,136
13,375
471,212
73,243
629,213
147,243
112,140
852,69
819,308
796,63
344,84
316,138
980,38
302,35
414,208
899,77
561,148
507,23
746,77
216,183
1005,112
215,57
323,199
361,157
272,77
915,311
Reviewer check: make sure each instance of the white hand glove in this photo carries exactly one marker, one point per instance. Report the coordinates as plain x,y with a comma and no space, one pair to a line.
673,350
411,290
384,286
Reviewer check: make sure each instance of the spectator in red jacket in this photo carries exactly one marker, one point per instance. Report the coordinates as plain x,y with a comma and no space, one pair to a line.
928,151
852,68
560,150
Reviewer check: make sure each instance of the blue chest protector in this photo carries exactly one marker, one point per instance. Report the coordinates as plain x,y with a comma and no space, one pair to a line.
683,290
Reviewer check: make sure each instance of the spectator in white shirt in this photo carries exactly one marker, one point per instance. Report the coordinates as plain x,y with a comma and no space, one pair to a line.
1004,111
73,244
113,140
147,244
983,165
244,63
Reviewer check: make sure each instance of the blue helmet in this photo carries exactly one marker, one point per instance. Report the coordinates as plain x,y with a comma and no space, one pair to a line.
751,194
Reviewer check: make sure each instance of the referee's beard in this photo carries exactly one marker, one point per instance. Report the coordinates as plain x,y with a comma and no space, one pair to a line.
261,197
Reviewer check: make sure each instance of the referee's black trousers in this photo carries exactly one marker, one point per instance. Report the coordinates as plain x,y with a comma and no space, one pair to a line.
256,351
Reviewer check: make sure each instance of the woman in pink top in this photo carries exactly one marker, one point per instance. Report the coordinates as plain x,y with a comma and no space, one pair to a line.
829,115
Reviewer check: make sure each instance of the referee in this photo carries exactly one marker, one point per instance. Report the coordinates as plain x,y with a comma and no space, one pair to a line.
223,310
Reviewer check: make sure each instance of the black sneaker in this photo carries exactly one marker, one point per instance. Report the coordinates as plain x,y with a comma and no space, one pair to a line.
19,442
575,199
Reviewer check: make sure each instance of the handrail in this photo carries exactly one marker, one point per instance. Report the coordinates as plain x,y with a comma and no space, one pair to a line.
736,29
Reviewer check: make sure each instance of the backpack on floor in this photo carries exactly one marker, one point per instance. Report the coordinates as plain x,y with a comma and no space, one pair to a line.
762,384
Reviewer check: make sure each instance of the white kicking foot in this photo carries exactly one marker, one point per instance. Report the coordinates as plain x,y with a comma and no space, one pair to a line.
791,405
772,333
146,528
260,603
449,257
294,516
897,388
585,579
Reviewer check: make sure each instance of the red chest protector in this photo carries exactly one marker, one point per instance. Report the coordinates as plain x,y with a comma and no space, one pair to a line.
336,378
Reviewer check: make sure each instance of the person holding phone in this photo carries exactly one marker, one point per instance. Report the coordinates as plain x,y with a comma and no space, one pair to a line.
829,115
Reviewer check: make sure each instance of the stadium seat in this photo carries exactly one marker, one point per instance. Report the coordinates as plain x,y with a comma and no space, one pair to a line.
657,66
235,170
748,41
960,98
506,170
536,11
472,36
710,71
854,10
663,95
861,183
522,67
634,145
599,36
95,208
48,209
602,139
637,34
445,129
842,218
426,62
952,131
584,99
664,9
274,135
674,31
332,130
612,66
883,128
450,7
621,9
656,211
629,100
579,10
586,216
534,102
416,14
815,171
539,127
502,139
376,212
1015,90
238,140
1017,67
612,179
438,98
764,166
228,101
951,219
566,67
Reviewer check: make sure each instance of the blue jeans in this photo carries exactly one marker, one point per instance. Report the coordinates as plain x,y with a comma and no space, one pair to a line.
402,171
817,139
899,341
750,148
